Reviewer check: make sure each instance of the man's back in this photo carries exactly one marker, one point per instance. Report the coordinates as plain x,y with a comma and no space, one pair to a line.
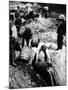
62,28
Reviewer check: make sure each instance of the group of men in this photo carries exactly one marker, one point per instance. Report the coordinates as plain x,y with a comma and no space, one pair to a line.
16,22
31,50
25,35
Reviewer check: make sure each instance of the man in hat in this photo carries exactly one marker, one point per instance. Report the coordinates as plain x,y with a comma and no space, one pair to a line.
61,31
45,11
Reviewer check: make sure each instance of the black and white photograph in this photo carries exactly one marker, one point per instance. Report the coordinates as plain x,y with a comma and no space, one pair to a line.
37,44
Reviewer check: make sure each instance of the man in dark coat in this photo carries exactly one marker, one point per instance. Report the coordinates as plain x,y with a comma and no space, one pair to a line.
61,31
27,35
